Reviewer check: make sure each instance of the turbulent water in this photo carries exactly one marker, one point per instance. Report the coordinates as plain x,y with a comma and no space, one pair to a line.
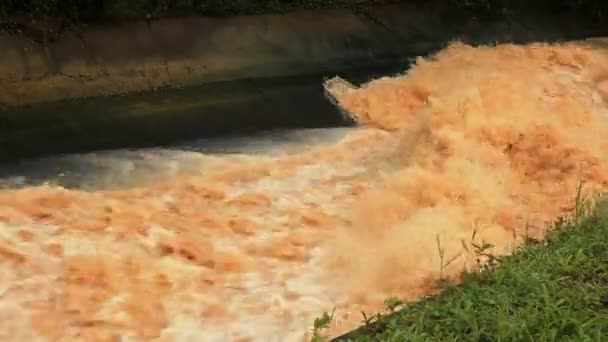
253,247
127,168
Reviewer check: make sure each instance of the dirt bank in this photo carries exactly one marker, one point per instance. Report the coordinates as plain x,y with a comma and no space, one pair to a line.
138,56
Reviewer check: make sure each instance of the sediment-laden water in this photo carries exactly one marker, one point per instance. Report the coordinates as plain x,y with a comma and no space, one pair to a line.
189,245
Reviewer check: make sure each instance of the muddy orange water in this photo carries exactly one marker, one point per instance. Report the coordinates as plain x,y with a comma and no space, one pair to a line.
489,139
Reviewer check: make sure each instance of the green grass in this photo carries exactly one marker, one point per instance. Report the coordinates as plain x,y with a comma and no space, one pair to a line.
554,290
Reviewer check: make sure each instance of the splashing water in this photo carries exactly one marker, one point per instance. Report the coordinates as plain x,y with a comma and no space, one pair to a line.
487,139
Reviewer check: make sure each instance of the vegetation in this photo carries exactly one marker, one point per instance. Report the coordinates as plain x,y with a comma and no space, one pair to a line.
84,11
47,19
117,10
594,9
554,290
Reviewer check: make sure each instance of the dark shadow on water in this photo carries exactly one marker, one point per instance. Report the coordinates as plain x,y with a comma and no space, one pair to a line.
133,167
163,117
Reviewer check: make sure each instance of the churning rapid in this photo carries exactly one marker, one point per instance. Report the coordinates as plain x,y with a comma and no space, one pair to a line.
252,248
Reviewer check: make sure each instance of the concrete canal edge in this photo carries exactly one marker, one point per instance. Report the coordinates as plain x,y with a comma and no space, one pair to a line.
98,89
140,56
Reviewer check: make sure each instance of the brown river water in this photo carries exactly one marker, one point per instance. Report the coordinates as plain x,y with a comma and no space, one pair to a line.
253,246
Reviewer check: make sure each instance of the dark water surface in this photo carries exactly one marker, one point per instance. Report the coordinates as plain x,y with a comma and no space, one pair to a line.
108,142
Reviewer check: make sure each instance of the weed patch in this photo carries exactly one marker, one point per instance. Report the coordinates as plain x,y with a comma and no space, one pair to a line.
551,290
